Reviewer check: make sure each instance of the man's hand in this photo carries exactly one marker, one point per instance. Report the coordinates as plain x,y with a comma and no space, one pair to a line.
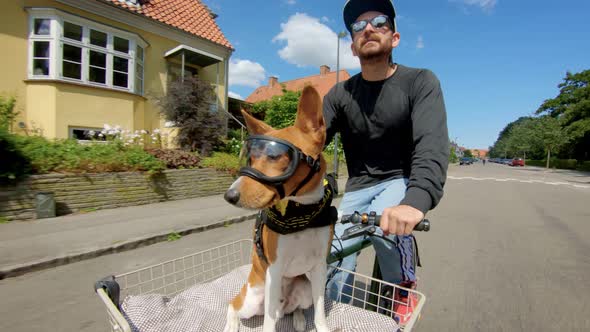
400,220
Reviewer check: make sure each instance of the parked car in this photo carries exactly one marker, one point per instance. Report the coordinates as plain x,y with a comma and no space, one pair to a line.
517,162
465,161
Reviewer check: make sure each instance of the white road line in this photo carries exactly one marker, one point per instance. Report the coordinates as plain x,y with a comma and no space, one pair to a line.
517,180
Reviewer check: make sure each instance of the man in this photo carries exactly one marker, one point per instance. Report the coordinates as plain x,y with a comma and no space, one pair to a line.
392,121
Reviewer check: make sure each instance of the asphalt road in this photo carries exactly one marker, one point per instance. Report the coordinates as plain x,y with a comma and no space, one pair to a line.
508,251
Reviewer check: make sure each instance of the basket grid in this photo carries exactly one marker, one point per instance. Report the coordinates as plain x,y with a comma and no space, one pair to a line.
376,295
174,276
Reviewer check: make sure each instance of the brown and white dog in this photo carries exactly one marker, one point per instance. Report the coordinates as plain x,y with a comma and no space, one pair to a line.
292,276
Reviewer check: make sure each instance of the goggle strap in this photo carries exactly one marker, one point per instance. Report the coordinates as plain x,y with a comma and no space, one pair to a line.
314,166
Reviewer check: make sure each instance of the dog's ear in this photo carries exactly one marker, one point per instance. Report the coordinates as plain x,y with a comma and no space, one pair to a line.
255,126
310,118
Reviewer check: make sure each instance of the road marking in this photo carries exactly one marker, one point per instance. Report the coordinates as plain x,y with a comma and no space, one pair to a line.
517,180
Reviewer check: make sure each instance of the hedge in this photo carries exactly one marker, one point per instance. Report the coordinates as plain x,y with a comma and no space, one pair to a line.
561,164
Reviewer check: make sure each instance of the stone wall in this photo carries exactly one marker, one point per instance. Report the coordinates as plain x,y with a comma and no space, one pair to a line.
88,192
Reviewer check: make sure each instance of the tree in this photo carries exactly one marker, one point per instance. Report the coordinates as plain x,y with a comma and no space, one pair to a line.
188,105
549,132
453,155
280,111
468,154
522,138
572,107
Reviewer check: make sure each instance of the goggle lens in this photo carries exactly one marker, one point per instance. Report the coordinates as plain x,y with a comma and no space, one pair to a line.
266,156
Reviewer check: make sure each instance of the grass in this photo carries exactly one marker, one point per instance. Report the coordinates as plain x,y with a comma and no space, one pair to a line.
88,210
3,220
174,236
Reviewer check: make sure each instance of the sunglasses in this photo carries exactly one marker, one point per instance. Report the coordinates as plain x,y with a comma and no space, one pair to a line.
378,22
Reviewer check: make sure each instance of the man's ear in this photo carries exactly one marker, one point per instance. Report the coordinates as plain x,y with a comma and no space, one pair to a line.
310,118
352,48
255,126
395,40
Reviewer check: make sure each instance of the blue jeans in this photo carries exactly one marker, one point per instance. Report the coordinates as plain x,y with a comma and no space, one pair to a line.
395,261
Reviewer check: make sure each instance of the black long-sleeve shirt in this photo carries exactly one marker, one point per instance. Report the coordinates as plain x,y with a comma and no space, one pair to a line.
395,128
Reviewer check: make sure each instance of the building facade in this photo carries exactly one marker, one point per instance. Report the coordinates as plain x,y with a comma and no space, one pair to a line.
75,65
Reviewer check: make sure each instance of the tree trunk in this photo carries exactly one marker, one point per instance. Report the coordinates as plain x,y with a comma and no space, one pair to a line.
548,157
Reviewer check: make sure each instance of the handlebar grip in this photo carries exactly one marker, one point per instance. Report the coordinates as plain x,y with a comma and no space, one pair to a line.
423,226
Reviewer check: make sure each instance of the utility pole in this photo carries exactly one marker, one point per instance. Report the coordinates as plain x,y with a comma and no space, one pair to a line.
341,34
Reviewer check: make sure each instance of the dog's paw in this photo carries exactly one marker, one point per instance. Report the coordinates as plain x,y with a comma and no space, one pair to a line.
299,320
232,323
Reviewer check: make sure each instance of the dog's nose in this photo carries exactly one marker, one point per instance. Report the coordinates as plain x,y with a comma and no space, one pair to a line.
232,196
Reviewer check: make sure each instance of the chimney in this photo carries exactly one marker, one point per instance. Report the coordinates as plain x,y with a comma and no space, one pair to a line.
272,81
324,70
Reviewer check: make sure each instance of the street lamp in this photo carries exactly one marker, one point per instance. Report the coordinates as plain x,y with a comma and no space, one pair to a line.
340,35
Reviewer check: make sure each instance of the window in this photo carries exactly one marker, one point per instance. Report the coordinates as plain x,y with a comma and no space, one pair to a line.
71,48
42,27
41,58
41,45
87,134
139,70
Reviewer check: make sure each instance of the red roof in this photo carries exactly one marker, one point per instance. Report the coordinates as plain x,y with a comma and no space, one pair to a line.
322,82
191,16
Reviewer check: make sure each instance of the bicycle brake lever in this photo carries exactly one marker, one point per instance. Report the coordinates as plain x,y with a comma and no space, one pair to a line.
357,230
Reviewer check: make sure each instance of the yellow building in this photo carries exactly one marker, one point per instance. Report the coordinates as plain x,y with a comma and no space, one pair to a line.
75,65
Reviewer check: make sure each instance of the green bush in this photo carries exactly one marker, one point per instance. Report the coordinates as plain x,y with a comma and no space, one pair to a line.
584,166
563,163
176,158
70,156
15,165
222,162
560,163
7,112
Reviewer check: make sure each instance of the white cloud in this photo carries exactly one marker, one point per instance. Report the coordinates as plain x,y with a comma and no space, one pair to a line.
232,94
420,42
325,19
291,2
485,5
246,73
308,42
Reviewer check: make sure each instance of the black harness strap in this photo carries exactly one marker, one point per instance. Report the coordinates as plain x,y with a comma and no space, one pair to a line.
258,237
300,217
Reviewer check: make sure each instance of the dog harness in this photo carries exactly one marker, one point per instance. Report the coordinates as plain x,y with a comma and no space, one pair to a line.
297,217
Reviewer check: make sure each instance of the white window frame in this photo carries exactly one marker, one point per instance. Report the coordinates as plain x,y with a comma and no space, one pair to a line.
57,40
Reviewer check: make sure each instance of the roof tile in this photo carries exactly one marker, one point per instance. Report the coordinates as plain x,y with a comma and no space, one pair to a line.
322,82
191,16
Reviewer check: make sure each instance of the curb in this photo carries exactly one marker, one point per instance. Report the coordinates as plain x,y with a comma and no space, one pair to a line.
21,269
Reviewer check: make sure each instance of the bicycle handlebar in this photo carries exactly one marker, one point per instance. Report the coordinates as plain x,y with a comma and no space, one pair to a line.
372,218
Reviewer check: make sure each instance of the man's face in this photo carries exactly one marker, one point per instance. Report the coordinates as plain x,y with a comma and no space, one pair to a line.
374,43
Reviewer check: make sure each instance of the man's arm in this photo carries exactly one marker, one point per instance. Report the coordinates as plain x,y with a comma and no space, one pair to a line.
430,157
330,115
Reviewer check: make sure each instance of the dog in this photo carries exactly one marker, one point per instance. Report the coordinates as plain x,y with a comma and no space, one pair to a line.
283,172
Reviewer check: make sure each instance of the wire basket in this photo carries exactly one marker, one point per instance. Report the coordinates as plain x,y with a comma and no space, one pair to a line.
174,276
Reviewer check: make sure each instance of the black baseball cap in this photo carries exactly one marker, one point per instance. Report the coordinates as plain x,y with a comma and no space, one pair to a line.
355,8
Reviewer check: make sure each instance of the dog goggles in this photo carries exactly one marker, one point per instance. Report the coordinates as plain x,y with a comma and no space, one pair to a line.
377,22
270,160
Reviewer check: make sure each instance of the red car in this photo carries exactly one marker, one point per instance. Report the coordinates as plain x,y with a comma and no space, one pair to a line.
517,162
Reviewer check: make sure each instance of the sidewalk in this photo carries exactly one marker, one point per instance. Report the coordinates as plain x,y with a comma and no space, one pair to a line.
40,244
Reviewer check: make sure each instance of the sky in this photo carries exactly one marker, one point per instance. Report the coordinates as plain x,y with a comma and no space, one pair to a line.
497,60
